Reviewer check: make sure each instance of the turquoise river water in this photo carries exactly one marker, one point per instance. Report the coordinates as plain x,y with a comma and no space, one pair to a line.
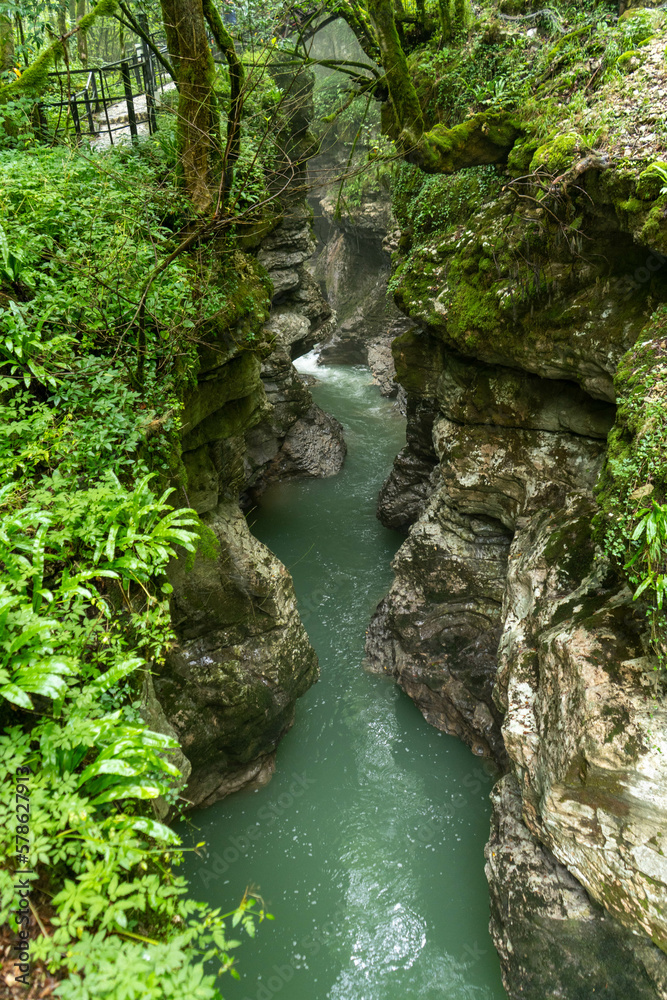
367,844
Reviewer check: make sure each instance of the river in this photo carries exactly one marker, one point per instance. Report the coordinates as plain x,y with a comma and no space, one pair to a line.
367,844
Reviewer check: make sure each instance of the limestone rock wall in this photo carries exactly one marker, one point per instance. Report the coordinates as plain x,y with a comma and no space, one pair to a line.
229,685
243,658
570,949
297,438
352,266
505,622
438,629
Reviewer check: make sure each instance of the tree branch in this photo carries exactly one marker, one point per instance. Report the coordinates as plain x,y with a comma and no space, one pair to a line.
138,30
35,78
484,138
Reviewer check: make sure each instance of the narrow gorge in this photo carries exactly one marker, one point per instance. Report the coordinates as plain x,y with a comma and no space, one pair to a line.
334,511
506,623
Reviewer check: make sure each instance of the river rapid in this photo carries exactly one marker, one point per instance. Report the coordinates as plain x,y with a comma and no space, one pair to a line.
367,844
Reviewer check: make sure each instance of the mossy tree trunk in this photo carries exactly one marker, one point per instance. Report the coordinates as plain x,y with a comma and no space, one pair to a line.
169,18
82,38
236,83
63,10
198,120
6,43
484,138
455,18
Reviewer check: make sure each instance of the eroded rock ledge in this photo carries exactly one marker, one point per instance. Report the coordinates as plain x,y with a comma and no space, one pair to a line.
570,949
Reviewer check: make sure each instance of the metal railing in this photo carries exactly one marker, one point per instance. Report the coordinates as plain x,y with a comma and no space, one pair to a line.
115,98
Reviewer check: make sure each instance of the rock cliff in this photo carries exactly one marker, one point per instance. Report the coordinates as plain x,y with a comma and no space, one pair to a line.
510,621
352,266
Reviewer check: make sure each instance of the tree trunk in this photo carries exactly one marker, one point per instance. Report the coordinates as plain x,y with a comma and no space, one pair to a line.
6,43
484,138
82,38
236,82
198,122
62,18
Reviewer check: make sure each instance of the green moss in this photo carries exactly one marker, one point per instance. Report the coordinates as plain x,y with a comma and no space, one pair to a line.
566,40
483,138
474,311
36,77
632,205
105,8
629,61
235,417
556,154
651,181
521,155
654,231
419,363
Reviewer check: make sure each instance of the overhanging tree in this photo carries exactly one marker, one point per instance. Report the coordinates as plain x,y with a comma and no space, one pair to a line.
482,139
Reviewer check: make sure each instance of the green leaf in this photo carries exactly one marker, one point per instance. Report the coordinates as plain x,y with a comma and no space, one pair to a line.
16,695
143,790
159,831
109,767
115,674
642,587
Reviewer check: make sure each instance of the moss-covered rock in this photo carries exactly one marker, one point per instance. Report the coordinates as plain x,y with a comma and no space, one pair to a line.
518,284
556,154
629,61
634,478
230,685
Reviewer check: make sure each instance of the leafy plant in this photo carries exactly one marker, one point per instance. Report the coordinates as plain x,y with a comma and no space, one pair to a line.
649,563
87,531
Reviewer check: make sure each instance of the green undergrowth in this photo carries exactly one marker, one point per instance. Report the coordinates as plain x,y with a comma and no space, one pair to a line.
547,70
427,205
90,397
632,493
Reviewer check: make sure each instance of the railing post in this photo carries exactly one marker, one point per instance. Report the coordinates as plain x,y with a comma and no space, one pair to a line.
129,99
136,68
89,110
75,114
149,76
104,105
94,91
